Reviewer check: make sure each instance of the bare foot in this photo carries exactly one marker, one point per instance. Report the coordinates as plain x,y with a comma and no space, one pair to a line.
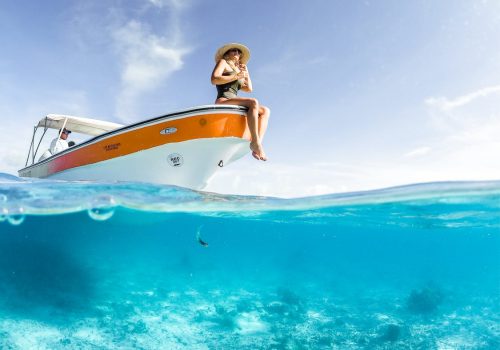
257,151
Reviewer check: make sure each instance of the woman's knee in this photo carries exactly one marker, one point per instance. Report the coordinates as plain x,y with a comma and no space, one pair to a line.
253,103
264,111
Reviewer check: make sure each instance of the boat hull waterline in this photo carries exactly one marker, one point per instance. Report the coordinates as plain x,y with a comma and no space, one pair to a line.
183,149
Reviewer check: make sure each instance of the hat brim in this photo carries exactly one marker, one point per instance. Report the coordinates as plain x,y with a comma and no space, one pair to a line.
245,52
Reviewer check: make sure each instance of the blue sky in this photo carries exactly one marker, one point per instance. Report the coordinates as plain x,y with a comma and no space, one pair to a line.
364,94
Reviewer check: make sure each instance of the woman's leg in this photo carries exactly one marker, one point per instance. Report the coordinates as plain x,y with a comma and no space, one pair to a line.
252,122
264,114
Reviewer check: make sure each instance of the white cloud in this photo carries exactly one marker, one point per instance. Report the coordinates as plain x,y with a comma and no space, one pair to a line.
145,39
418,152
148,60
471,117
447,105
467,130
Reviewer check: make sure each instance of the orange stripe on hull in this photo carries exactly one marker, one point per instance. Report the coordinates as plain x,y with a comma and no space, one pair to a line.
142,138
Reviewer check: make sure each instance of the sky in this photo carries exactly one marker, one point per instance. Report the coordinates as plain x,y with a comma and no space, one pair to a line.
363,94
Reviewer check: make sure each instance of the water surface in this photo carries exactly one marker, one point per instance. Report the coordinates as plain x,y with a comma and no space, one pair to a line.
138,266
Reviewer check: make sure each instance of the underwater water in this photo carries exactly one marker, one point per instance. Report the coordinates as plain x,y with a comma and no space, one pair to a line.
87,265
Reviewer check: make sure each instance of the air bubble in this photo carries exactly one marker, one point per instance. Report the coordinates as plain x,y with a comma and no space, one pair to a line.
15,216
102,208
3,198
3,214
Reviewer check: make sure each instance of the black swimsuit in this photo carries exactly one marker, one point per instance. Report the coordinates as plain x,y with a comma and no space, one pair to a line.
228,90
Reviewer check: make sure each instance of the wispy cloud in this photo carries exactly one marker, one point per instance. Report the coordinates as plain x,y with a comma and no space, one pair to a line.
467,114
447,105
148,57
143,41
148,60
418,152
466,133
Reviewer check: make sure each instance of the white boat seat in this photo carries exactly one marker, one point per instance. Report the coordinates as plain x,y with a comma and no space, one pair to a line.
45,155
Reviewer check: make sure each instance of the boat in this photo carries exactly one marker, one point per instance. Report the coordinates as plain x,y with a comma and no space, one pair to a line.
185,148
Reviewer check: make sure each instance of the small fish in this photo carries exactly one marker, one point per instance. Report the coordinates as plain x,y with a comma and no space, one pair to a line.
198,237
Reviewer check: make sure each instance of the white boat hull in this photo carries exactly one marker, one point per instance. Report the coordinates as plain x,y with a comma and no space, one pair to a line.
198,161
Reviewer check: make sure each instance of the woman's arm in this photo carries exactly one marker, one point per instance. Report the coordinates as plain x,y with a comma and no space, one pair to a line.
247,84
217,75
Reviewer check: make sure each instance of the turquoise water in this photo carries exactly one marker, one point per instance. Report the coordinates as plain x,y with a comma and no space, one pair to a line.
136,266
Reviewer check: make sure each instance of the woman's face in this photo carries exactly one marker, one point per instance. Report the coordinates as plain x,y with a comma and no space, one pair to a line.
233,54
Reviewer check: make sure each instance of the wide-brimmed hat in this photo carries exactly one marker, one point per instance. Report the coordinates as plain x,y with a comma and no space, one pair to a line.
245,52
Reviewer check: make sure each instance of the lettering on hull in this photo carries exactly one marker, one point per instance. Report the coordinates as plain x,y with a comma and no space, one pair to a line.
112,146
175,159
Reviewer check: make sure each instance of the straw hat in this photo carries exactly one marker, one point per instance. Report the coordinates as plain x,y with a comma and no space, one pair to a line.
245,52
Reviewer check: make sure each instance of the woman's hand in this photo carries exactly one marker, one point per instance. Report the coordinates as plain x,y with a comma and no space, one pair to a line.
246,83
241,75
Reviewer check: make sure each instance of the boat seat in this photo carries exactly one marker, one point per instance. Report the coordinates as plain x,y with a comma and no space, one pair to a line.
45,155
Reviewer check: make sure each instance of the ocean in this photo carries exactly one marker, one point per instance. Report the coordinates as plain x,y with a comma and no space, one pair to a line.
87,265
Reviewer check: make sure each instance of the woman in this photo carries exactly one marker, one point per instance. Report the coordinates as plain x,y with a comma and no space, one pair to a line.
230,75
